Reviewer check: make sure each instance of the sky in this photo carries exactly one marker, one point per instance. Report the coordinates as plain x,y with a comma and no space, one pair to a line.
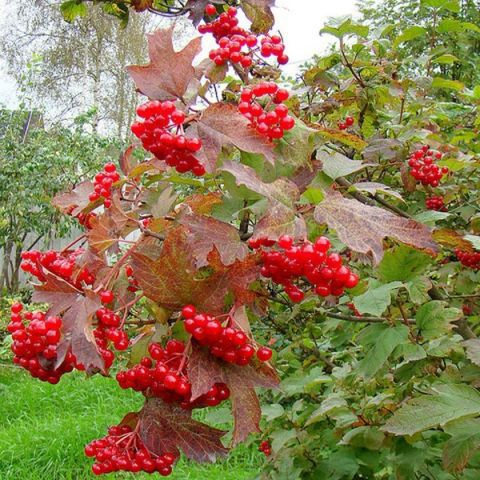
299,21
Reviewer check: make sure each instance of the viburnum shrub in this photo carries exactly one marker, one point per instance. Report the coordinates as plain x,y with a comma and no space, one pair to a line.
265,241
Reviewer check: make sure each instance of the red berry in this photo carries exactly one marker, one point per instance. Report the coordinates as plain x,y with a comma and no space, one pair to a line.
264,354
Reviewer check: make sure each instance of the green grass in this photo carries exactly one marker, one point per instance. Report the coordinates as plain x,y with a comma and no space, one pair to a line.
43,429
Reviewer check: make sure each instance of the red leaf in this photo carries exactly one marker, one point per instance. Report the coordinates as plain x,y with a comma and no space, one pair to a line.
221,125
207,233
363,228
169,73
204,370
168,428
76,199
172,280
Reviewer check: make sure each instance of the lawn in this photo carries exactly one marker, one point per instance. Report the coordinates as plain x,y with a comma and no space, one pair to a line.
43,429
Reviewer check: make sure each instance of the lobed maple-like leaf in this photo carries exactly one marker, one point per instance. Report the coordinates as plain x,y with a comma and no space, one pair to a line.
204,370
169,73
207,233
77,309
259,12
108,228
76,200
173,281
221,125
168,428
363,228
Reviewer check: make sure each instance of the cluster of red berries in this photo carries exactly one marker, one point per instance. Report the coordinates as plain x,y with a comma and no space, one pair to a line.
265,448
164,375
349,122
309,262
423,166
236,44
102,184
436,203
468,259
228,343
61,264
35,340
133,282
159,134
123,450
270,122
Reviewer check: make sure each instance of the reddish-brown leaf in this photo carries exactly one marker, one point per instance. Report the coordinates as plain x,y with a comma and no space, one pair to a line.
169,73
108,228
260,14
203,204
172,280
220,125
168,428
196,9
280,220
204,371
76,200
125,160
207,233
77,310
363,228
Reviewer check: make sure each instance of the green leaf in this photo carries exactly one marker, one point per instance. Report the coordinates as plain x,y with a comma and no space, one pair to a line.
465,441
472,348
337,165
73,9
381,341
446,403
409,34
433,319
296,146
439,82
298,382
449,25
451,5
446,59
281,437
370,438
345,29
418,289
331,404
377,298
402,263
474,240
273,411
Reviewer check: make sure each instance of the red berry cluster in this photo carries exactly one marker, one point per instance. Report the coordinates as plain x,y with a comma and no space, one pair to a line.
164,375
159,133
424,168
265,448
436,203
123,450
270,122
61,264
307,261
133,282
225,342
236,44
468,259
35,340
102,184
349,122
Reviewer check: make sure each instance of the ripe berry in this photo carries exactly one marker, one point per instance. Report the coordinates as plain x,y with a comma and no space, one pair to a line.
210,10
106,296
264,354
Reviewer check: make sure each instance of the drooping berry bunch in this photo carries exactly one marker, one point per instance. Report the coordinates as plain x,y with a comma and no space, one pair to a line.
307,263
237,45
224,341
436,203
102,184
265,448
35,340
123,450
269,116
468,259
61,264
349,122
423,167
161,133
133,282
164,375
